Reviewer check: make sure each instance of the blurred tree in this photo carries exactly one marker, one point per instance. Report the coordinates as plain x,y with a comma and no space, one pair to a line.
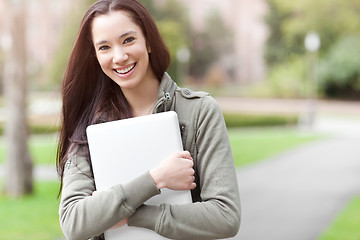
276,51
210,45
68,36
339,72
290,21
18,180
173,24
169,9
207,46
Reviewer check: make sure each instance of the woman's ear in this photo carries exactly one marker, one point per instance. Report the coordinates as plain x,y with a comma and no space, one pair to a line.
148,48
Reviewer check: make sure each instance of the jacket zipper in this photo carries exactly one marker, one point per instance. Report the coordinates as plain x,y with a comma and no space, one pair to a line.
164,99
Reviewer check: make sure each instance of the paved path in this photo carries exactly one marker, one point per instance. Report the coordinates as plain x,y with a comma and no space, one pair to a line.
296,195
281,106
43,173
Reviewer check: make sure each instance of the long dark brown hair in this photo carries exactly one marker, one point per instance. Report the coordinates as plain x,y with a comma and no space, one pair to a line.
88,93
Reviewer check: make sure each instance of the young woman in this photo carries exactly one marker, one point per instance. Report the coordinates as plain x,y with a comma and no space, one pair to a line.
117,70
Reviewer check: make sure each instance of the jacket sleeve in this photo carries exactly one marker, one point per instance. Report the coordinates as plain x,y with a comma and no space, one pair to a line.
82,215
218,214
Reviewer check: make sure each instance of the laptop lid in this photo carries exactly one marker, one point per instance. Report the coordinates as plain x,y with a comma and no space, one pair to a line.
124,149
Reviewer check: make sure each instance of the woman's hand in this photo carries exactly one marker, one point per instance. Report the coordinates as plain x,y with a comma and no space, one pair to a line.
175,173
119,224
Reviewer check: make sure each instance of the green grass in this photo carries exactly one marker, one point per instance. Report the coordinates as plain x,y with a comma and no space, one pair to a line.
42,149
252,145
36,216
32,217
346,225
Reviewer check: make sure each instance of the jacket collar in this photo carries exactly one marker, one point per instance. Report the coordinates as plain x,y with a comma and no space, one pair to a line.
166,94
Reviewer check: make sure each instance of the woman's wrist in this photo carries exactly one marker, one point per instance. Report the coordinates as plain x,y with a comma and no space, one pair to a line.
155,174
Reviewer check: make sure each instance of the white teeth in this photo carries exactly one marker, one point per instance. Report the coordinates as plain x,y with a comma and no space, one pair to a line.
125,70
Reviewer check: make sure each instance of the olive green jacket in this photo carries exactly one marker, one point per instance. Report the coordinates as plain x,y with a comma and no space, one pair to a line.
215,211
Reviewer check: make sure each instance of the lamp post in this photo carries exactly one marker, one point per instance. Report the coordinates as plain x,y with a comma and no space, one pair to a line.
5,42
312,44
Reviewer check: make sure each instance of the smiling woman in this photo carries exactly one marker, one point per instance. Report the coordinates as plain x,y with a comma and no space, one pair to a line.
117,70
123,54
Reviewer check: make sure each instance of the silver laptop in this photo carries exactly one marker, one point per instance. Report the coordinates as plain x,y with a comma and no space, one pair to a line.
124,149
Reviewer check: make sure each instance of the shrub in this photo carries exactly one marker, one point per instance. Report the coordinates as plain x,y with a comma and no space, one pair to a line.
339,70
246,120
36,129
286,80
231,119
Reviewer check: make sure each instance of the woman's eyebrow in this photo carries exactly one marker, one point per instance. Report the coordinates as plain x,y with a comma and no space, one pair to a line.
127,33
121,36
101,42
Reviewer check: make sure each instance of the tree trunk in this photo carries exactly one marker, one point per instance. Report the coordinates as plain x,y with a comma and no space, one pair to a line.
18,179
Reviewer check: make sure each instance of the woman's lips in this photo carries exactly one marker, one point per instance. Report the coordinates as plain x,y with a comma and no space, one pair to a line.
125,70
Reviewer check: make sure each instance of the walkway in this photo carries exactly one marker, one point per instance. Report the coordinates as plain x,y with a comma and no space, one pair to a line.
42,173
296,195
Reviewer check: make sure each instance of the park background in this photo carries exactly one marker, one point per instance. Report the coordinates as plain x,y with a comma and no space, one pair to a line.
276,67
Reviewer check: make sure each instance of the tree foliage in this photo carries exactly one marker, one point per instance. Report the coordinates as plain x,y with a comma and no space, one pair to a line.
333,20
210,45
290,21
206,46
69,32
339,72
173,24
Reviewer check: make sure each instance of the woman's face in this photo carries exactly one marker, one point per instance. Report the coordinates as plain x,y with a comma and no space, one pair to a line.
121,49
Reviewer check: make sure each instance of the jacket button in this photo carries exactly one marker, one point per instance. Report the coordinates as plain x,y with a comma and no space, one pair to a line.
187,92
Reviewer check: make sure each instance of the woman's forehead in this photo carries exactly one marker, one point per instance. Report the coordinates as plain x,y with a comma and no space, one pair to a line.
114,23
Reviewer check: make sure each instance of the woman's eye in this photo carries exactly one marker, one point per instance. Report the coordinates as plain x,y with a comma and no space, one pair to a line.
129,40
102,48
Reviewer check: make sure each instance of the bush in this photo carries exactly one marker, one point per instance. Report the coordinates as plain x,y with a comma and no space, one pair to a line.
286,80
43,129
36,129
246,120
339,70
231,119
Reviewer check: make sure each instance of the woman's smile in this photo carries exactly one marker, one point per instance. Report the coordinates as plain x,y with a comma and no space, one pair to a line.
126,71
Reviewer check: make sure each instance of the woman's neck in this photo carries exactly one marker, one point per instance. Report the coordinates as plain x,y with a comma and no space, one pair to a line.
143,98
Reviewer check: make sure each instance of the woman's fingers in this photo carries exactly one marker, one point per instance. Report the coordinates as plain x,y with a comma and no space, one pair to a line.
175,173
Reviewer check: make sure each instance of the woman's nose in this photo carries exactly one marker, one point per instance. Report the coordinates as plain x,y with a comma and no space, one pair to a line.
120,55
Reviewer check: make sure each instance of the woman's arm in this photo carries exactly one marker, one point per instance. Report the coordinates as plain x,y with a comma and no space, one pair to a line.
218,215
175,173
82,215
